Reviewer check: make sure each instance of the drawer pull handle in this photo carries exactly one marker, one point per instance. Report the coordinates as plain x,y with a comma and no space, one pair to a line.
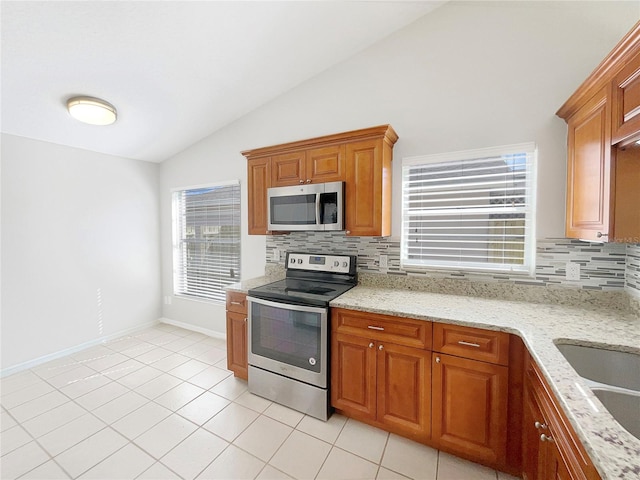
539,425
546,438
233,302
437,359
381,347
468,344
371,345
372,327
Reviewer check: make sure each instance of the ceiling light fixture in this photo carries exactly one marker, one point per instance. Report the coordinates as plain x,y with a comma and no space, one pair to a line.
92,110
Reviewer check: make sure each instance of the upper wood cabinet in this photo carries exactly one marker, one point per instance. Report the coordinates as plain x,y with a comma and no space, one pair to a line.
360,158
603,118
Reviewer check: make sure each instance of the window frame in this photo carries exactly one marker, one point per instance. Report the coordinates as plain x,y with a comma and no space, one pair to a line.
178,252
529,254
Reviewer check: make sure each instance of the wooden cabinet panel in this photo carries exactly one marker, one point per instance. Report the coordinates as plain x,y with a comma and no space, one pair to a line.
404,382
626,224
589,170
626,103
326,164
258,180
364,192
237,344
288,169
470,407
475,343
353,375
237,302
401,331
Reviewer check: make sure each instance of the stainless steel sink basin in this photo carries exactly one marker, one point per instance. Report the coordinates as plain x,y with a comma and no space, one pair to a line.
614,377
624,407
620,369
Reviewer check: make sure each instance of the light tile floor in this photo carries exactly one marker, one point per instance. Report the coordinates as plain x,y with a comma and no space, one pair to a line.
160,404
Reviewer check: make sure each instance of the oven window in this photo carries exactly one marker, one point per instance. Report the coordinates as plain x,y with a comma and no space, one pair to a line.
287,336
293,210
328,208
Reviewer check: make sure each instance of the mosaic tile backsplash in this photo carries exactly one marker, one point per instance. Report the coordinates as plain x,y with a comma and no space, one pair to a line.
603,267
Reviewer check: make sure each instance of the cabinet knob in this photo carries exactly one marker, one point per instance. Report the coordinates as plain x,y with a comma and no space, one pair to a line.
600,234
381,347
245,319
539,426
301,182
308,180
546,438
371,345
437,359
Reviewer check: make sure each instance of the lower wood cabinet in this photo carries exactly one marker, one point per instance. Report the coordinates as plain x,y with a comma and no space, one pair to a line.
470,408
378,380
551,449
237,334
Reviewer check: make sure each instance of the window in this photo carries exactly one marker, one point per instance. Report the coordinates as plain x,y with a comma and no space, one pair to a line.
206,240
471,210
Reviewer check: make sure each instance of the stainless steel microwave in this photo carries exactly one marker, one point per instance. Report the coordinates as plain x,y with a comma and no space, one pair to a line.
315,206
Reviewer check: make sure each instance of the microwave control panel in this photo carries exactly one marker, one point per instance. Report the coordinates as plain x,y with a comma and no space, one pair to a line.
321,263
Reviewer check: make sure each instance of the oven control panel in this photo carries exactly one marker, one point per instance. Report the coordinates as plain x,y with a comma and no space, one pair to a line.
320,263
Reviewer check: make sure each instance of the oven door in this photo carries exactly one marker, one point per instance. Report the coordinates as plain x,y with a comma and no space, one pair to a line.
290,340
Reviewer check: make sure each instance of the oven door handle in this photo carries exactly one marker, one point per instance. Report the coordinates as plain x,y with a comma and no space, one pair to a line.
286,306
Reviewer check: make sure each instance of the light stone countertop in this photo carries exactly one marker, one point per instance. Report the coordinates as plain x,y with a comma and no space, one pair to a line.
613,450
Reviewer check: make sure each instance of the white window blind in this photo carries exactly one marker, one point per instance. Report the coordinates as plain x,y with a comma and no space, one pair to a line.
471,210
206,240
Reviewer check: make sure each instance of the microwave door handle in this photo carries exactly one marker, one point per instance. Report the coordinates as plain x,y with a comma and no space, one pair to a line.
318,208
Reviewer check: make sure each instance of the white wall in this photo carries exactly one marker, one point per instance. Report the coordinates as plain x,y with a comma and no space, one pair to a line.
469,75
80,247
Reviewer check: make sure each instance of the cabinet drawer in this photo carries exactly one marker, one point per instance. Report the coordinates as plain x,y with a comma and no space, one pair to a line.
237,302
475,343
401,331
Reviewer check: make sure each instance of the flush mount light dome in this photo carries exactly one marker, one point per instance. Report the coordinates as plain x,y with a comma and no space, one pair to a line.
91,110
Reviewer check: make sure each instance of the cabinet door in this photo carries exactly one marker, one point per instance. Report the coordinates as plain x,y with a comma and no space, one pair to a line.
589,170
326,164
237,344
367,201
404,380
626,103
353,375
288,169
532,449
258,180
470,407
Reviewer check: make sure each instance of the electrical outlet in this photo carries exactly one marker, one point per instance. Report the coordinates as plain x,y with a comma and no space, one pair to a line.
276,254
573,271
383,262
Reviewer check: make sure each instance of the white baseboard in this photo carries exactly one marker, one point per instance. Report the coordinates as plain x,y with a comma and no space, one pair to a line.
194,328
68,351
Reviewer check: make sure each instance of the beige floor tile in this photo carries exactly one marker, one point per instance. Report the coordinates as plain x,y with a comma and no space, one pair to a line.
82,387
164,436
410,458
69,434
123,405
454,468
157,386
270,473
188,369
128,462
231,421
57,417
386,474
254,402
157,471
13,438
153,355
233,464
506,476
18,381
141,420
31,392
139,377
194,454
22,460
209,377
284,414
212,356
84,455
6,421
106,362
38,406
179,396
327,431
170,362
203,408
101,395
362,440
301,455
253,438
230,388
341,465
47,471
123,369
192,351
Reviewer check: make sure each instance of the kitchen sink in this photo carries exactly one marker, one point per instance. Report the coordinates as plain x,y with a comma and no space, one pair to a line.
619,369
624,407
613,376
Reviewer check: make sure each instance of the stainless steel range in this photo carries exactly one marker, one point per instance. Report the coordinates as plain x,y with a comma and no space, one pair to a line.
288,331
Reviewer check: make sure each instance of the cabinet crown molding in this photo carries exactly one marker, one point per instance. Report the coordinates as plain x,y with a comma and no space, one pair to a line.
387,131
613,63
